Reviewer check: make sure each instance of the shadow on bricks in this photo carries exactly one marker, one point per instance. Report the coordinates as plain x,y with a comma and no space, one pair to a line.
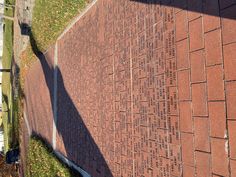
207,7
76,137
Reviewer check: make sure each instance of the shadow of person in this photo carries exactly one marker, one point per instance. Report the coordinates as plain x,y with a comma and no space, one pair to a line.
79,145
207,7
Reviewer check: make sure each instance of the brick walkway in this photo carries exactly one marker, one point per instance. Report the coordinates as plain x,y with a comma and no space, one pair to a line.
142,90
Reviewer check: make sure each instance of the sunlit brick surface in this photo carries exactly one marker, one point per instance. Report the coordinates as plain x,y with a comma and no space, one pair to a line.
142,88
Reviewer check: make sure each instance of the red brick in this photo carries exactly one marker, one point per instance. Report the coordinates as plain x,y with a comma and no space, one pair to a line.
185,115
182,54
231,100
187,148
229,25
213,47
233,167
230,61
201,134
188,171
199,99
197,66
194,9
215,83
211,19
196,34
217,116
184,85
181,25
232,138
219,156
203,164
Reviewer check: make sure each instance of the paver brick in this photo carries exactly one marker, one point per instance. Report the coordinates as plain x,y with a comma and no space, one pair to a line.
185,116
229,24
233,167
182,54
188,171
199,99
231,100
187,148
217,117
232,138
194,9
213,46
184,91
215,84
203,164
219,156
198,73
196,34
181,25
229,61
201,134
211,18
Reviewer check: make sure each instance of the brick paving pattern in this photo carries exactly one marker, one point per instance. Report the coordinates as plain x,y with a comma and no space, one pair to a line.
143,89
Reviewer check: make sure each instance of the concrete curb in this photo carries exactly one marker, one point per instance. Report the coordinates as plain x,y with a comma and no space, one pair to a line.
71,164
54,130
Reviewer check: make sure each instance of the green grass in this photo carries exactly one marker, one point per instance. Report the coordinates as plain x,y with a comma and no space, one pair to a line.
9,11
6,83
42,161
57,14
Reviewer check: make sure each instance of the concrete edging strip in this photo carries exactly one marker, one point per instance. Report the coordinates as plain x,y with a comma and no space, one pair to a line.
54,129
27,124
71,164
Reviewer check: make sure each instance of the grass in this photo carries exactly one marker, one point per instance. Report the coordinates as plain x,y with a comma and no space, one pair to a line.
6,83
41,160
47,26
9,11
27,59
